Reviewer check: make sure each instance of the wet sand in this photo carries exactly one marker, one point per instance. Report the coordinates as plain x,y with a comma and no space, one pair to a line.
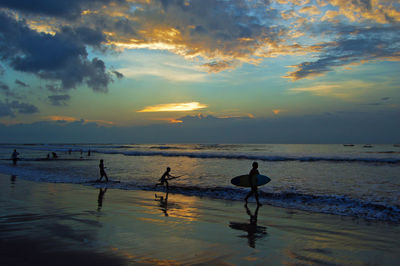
66,224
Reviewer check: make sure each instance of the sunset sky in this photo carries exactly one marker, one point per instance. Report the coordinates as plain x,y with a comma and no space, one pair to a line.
279,66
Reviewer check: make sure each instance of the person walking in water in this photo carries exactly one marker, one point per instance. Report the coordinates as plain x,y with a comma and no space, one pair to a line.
253,183
165,177
14,157
102,171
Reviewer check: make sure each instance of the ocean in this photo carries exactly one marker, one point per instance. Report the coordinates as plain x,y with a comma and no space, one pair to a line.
355,181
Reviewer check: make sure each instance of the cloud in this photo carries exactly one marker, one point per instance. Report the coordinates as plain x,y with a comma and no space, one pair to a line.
310,10
217,31
118,74
60,8
24,108
355,45
69,119
5,90
348,90
9,108
20,83
335,127
173,107
218,34
278,111
59,100
61,57
61,118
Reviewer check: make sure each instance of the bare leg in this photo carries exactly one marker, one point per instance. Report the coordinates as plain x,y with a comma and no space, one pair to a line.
256,196
248,196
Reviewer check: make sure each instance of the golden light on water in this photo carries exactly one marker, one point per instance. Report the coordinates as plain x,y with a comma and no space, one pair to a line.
174,107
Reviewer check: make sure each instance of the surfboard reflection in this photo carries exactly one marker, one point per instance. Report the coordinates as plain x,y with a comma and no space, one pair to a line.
254,232
101,198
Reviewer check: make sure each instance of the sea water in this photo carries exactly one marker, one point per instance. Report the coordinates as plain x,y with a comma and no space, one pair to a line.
357,181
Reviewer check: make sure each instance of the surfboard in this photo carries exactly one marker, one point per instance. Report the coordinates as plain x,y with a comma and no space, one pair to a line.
243,180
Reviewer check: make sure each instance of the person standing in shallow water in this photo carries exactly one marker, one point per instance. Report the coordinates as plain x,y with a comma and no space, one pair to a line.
166,176
14,157
253,183
102,171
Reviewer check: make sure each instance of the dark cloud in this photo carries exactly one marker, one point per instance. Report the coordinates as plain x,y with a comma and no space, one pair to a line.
5,110
217,30
5,90
24,108
59,100
344,127
118,74
385,98
354,45
58,58
57,8
21,83
9,108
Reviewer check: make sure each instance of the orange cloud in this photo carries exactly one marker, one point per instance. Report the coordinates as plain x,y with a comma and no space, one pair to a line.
73,119
278,111
173,107
61,118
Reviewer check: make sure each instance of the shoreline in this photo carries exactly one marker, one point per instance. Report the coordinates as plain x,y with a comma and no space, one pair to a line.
81,225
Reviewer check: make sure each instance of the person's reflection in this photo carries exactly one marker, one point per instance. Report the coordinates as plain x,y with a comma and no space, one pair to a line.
163,203
100,198
254,231
13,178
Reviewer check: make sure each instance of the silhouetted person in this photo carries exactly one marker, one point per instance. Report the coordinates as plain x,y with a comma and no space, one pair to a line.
165,177
88,153
163,203
13,178
102,171
100,198
14,157
48,156
253,183
81,154
254,231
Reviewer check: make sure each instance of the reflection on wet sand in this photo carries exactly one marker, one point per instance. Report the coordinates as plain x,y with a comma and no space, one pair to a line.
254,232
163,203
100,198
13,178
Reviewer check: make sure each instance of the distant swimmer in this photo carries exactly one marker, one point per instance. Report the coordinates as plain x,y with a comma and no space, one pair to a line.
14,157
102,171
165,177
253,183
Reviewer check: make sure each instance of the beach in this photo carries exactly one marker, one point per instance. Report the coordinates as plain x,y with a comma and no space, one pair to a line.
71,224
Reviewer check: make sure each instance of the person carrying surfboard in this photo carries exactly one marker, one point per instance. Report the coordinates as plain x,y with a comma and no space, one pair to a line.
253,183
102,171
166,176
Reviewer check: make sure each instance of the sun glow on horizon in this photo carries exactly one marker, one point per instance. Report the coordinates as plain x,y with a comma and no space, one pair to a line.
173,107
